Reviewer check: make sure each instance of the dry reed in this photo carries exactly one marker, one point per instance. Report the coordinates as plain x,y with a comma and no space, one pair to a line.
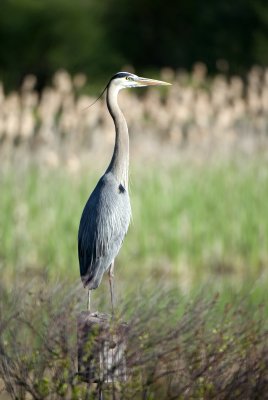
196,110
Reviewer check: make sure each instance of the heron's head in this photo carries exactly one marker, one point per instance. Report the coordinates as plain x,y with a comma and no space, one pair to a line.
123,80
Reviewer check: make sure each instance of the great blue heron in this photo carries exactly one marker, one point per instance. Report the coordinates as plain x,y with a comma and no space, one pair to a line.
106,216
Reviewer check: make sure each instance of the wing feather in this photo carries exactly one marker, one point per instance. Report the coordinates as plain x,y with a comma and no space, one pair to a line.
103,226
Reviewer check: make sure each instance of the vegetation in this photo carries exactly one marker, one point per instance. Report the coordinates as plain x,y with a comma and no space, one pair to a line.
191,277
196,111
98,38
189,222
174,350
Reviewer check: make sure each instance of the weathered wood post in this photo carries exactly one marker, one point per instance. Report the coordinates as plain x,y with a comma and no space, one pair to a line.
101,348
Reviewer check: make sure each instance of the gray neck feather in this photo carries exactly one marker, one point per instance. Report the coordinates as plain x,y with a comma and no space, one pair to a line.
120,159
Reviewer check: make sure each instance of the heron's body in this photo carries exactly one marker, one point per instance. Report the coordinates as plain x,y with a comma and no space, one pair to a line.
104,224
106,216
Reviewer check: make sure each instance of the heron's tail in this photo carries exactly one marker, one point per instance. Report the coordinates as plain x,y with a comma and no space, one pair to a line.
92,281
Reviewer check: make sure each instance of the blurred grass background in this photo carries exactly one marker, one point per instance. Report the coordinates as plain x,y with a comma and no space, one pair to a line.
193,225
198,186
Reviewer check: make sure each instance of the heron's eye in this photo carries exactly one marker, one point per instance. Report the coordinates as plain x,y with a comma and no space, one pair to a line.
129,78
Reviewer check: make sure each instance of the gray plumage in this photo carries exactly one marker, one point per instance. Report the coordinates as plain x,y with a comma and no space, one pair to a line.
106,216
104,224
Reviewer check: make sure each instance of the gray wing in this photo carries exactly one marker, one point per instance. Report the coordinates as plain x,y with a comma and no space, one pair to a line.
103,226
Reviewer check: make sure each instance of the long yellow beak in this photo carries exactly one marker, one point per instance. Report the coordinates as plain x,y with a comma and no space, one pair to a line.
151,82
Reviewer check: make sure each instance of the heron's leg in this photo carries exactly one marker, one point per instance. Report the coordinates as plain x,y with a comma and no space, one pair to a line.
88,300
111,281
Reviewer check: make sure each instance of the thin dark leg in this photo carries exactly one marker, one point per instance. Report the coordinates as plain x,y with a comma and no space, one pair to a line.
111,281
101,397
88,301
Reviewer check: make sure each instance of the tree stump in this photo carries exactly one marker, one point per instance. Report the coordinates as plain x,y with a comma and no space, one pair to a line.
101,348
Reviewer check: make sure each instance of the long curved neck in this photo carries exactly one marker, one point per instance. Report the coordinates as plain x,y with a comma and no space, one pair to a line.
120,159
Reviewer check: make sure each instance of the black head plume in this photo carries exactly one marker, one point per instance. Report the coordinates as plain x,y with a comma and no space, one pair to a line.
95,101
121,75
117,75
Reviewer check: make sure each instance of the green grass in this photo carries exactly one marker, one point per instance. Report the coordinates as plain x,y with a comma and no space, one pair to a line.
192,225
200,228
